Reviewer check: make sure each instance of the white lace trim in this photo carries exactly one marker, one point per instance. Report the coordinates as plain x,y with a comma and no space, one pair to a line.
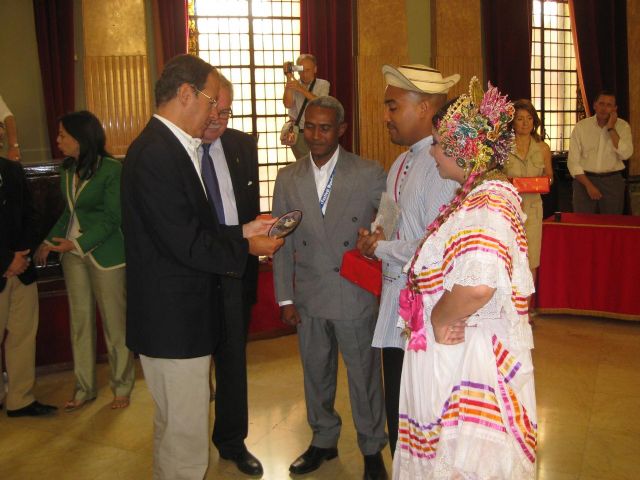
485,268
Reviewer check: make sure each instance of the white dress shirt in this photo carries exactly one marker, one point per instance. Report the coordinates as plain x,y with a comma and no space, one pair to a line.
321,176
190,144
592,150
413,181
224,182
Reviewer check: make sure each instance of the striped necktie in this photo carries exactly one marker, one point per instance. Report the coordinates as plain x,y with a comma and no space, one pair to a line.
210,180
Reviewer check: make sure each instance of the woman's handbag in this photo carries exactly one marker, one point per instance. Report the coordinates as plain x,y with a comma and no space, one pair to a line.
531,184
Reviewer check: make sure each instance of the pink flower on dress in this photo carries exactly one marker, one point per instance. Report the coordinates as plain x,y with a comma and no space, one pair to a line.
411,310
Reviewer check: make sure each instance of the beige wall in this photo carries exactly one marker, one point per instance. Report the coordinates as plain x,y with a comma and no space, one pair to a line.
442,33
457,40
419,31
20,83
116,73
381,38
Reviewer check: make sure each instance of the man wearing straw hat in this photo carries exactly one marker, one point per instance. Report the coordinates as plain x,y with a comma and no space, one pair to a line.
414,93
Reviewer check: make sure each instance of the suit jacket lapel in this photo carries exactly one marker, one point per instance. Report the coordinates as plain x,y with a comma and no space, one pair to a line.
340,192
179,155
234,165
69,174
72,198
306,186
81,186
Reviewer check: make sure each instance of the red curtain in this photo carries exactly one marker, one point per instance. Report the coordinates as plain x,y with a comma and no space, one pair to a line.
507,45
171,29
326,31
600,36
54,34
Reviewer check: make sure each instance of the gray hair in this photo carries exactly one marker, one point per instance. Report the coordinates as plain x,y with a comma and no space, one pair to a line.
306,56
225,83
330,102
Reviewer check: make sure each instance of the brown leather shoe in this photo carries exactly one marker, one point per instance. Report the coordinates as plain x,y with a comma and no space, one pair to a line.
312,459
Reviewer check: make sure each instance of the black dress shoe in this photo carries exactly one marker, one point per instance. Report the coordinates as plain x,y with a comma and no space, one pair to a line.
246,463
35,409
374,467
312,459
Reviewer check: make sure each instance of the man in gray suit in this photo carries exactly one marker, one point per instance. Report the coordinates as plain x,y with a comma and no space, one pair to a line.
338,192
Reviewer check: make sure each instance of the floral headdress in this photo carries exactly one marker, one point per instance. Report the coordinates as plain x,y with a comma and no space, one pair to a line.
475,130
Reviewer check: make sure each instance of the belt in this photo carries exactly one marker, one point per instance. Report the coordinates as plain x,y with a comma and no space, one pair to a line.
603,174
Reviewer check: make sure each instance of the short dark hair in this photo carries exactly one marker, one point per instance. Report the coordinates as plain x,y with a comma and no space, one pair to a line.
181,69
606,93
87,130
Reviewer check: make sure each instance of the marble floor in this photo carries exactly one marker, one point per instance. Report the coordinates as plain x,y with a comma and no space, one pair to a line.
588,391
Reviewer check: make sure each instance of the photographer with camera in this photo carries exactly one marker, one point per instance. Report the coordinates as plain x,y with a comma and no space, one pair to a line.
297,94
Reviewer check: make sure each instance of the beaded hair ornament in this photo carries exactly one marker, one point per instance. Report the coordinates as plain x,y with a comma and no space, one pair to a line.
475,130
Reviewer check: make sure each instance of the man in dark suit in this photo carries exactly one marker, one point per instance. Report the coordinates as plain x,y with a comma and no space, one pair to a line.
235,159
18,293
176,250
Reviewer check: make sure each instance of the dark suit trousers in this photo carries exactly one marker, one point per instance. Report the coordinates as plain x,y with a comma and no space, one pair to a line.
231,423
392,359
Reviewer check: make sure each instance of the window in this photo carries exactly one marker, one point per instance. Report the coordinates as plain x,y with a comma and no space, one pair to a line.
554,79
249,40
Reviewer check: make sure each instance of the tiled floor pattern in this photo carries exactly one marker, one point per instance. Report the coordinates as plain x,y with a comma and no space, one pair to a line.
588,387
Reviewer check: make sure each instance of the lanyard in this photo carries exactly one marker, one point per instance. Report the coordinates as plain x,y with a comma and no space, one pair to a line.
327,190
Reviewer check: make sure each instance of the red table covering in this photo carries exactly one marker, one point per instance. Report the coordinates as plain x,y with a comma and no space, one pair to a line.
590,265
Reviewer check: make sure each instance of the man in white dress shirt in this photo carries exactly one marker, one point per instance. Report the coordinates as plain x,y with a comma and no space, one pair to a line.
176,252
414,93
599,145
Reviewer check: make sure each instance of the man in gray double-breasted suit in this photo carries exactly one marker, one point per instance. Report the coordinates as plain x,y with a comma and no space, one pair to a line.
338,192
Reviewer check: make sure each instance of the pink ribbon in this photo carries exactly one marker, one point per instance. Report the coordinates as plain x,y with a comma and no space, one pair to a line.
411,310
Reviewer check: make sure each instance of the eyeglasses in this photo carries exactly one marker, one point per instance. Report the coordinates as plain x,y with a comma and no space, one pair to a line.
226,113
212,101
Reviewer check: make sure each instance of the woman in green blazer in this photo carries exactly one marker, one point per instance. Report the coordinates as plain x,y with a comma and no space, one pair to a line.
89,240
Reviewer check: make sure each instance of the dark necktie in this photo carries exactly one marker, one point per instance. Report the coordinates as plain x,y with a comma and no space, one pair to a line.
210,180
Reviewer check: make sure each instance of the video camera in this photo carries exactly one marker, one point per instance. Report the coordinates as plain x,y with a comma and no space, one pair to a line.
290,67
